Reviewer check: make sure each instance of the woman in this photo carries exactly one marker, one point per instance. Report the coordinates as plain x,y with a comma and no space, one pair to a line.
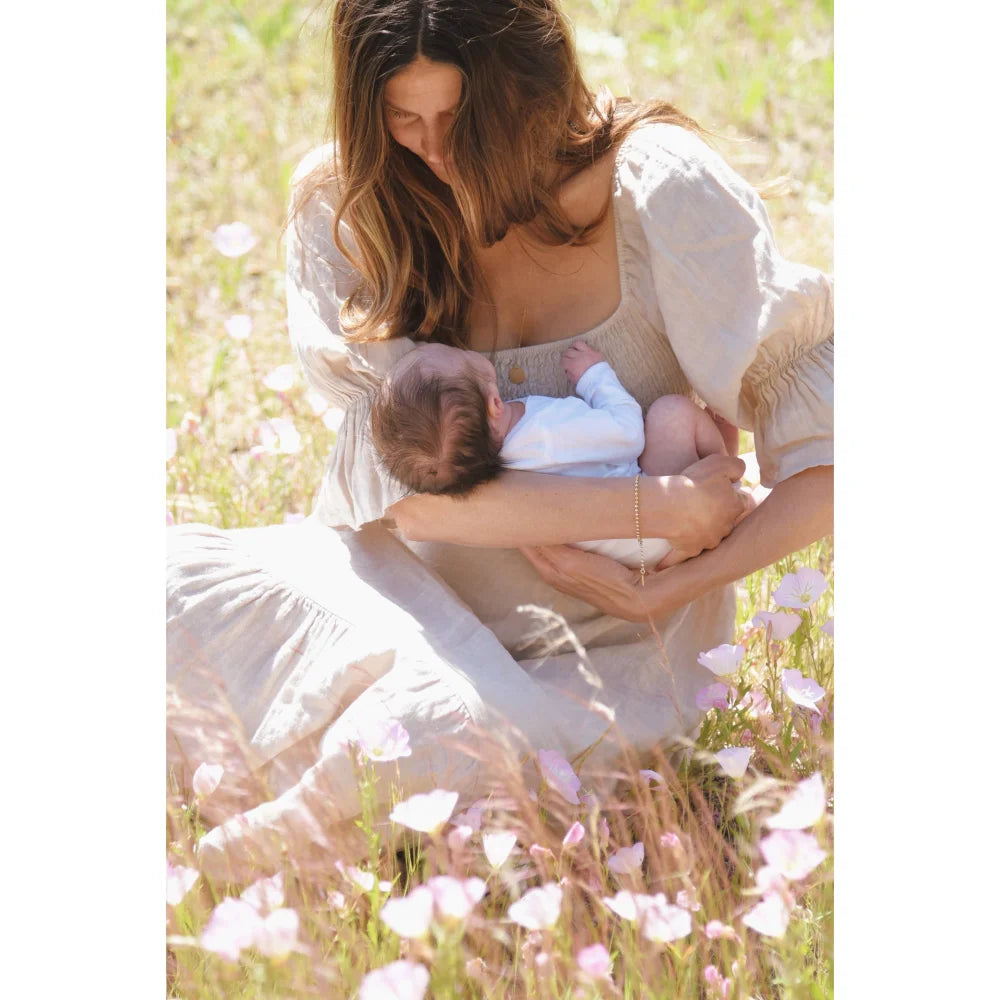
477,194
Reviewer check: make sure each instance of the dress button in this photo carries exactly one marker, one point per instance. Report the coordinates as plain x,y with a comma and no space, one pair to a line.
516,374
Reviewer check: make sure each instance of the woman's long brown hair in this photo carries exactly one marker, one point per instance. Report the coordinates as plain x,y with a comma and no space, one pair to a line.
525,122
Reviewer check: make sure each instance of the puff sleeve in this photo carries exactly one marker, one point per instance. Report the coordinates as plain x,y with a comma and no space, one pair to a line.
752,331
355,489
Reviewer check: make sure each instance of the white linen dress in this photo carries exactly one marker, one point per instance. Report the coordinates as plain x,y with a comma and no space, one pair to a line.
307,629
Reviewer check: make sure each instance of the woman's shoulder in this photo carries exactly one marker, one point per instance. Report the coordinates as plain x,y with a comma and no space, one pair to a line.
314,186
653,150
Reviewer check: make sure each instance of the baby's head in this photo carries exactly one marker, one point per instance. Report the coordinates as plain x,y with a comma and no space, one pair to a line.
438,420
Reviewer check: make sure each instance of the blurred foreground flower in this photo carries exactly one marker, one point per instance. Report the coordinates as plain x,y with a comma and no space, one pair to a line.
557,772
278,436
574,834
171,443
792,853
281,379
800,589
724,659
661,921
594,962
538,909
455,898
627,860
234,239
770,916
278,934
804,807
206,779
803,691
383,739
716,929
827,627
410,915
233,926
734,760
402,980
714,696
425,812
179,882
783,623
497,847
239,326
650,776
266,894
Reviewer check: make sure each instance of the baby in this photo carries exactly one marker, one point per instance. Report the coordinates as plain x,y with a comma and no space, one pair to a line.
440,426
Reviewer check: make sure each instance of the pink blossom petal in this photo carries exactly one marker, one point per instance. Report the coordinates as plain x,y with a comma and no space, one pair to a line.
179,882
650,776
574,834
171,443
410,915
238,327
281,379
278,934
383,739
425,812
537,909
627,860
497,846
734,760
792,853
717,695
402,980
804,806
769,917
724,659
803,691
716,929
660,921
827,627
233,926
456,898
266,894
594,962
783,623
206,779
800,589
558,773
234,239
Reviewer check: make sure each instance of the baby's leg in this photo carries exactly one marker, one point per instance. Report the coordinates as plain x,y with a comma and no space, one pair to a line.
678,433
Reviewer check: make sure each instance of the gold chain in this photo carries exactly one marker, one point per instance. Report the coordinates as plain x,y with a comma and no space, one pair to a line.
638,537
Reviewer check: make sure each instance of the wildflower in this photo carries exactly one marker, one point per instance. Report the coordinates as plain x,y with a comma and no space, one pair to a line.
660,921
804,806
537,909
278,436
179,882
715,695
281,379
540,853
402,980
724,659
803,691
719,986
783,623
688,901
716,929
627,860
594,962
472,818
497,846
455,898
410,915
734,760
238,327
278,934
336,900
650,776
425,812
827,627
234,239
573,835
233,926
171,443
206,779
266,894
792,853
800,589
622,903
770,916
365,881
317,402
558,773
190,422
458,837
670,839
383,739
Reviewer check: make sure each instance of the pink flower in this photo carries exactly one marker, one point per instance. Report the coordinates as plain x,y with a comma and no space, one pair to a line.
426,813
783,623
574,834
206,779
266,894
410,915
827,627
649,776
234,239
792,853
804,807
179,882
622,903
336,900
734,760
770,916
497,846
540,853
281,379
238,327
627,860
715,695
660,921
670,839
688,901
538,909
278,934
719,986
594,962
724,659
233,926
383,739
557,772
716,929
455,898
472,818
171,443
800,589
402,980
803,691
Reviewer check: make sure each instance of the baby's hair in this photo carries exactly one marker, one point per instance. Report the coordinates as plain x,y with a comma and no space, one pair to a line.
432,432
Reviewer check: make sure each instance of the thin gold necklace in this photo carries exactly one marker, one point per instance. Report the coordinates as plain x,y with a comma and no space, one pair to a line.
516,373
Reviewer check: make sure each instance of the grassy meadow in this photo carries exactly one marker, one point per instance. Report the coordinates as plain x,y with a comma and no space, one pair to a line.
736,833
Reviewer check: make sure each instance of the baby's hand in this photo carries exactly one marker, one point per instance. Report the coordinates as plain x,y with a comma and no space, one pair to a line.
578,358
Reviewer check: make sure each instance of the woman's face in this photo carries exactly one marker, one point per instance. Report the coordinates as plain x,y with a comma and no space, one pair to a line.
420,104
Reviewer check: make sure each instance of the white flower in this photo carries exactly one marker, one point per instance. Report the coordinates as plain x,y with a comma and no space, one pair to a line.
622,903
455,898
800,589
724,659
426,813
783,623
383,739
279,436
734,760
803,691
770,916
410,915
281,379
179,882
266,894
206,779
497,847
792,853
627,860
402,980
234,239
661,921
538,909
239,326
804,807
278,934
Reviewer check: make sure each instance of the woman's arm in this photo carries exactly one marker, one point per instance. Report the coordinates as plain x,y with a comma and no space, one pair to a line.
797,512
694,510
